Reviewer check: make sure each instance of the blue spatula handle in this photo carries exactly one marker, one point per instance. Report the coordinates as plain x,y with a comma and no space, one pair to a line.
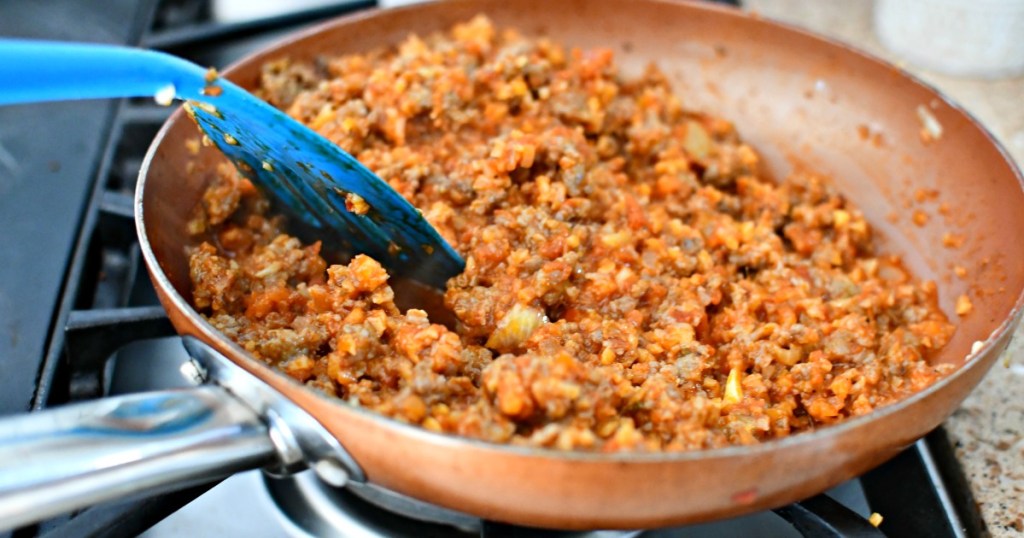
34,71
308,174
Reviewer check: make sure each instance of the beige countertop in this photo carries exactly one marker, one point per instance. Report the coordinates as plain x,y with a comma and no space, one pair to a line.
988,429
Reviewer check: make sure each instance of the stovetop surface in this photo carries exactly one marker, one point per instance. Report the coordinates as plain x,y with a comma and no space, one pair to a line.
49,154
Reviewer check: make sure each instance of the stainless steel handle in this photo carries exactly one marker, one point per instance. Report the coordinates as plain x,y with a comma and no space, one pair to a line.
59,460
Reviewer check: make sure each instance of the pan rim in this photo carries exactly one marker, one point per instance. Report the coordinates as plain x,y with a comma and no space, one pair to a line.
971,361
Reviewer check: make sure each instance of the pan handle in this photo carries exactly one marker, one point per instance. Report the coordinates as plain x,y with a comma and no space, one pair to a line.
56,461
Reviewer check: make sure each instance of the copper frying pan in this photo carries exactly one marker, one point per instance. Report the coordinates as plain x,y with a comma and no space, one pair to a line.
803,101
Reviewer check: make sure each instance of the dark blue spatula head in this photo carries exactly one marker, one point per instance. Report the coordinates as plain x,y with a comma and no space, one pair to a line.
349,208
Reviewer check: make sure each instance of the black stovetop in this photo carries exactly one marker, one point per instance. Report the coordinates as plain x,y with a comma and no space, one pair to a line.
72,289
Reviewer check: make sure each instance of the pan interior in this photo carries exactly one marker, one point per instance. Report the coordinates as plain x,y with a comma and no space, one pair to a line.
800,103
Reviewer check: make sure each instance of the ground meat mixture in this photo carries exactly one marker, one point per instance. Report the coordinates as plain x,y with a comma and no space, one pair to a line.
633,281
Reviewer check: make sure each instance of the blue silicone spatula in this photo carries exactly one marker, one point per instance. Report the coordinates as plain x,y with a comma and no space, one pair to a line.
307,174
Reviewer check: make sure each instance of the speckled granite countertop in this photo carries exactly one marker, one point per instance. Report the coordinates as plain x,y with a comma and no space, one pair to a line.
988,430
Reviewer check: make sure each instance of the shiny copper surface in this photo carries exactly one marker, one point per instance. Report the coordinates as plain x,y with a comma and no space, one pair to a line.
802,101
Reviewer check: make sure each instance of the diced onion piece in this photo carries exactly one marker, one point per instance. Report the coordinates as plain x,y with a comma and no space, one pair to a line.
272,268
930,126
733,389
206,107
789,356
165,96
432,424
513,329
356,204
875,519
963,305
697,141
840,218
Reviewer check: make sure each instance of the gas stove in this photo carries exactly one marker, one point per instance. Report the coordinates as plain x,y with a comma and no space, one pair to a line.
79,319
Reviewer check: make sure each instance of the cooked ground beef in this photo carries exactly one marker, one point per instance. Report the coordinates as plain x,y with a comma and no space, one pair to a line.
633,282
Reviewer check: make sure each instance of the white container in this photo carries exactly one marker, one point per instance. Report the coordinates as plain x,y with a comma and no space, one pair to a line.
972,38
227,11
